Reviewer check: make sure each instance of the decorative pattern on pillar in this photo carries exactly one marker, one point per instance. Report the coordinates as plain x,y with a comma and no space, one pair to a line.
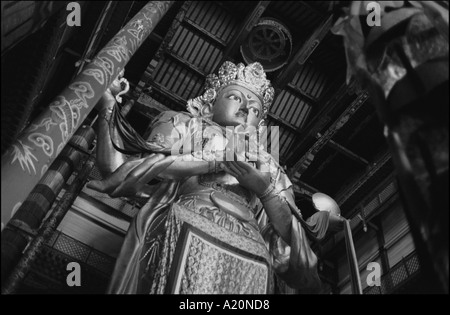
29,157
32,211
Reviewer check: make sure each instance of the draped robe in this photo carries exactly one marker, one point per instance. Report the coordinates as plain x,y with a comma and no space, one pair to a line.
206,234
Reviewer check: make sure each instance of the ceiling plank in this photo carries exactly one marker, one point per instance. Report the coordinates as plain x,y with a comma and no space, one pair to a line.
186,63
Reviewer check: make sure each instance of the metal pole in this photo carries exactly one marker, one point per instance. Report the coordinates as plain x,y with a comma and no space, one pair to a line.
352,260
26,161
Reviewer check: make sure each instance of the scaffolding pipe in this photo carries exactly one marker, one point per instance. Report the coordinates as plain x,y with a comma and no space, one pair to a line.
352,259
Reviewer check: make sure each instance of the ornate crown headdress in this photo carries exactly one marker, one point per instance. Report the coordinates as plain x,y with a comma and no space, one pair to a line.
251,77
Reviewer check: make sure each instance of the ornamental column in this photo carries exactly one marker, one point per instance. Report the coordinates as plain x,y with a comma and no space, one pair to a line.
33,152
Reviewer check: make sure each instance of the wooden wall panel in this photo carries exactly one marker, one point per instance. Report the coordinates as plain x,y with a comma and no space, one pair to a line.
394,224
366,246
402,248
399,242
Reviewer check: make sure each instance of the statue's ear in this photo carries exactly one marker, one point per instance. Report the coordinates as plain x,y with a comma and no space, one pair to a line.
206,110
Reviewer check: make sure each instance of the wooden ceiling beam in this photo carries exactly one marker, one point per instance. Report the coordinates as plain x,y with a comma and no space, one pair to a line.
301,189
340,148
283,122
321,117
205,33
302,53
302,94
307,4
306,160
243,31
147,76
349,138
362,179
176,100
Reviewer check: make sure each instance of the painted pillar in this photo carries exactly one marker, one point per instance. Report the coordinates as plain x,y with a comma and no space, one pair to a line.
25,162
47,229
28,217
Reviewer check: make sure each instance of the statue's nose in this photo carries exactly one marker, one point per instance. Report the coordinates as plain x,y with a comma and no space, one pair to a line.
244,107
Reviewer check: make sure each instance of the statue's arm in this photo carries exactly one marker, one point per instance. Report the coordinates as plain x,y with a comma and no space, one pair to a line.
171,129
286,237
278,212
108,159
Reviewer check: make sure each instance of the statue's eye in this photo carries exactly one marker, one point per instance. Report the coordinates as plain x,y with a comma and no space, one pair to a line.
255,111
234,97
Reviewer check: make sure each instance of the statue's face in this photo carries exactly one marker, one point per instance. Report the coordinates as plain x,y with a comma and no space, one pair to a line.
236,105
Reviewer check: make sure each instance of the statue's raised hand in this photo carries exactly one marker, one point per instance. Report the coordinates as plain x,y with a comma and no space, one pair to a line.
119,86
255,178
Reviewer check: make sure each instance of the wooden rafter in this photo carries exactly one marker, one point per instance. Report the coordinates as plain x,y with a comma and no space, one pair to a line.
376,166
321,118
301,93
302,54
178,101
164,46
204,33
312,8
283,122
340,148
309,156
349,138
244,30
301,189
186,63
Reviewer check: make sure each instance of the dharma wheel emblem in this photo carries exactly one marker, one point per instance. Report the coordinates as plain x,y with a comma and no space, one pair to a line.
269,43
